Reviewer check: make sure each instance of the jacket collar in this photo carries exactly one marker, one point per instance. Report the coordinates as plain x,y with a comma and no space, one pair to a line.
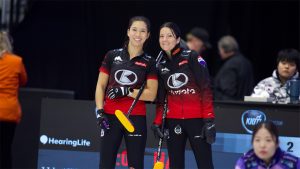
175,51
126,54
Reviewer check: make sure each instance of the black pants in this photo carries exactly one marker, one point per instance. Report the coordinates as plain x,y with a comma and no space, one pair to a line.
180,130
135,142
7,131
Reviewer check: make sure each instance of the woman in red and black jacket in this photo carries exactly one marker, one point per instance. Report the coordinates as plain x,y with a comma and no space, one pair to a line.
184,83
122,73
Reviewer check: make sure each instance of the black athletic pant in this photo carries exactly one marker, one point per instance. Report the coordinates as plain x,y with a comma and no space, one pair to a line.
180,130
135,142
7,131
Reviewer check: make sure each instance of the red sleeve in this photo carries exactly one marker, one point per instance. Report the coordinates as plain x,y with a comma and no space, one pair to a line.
105,66
103,70
199,68
153,77
207,104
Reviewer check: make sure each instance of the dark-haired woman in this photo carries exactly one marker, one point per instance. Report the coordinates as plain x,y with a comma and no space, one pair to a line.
266,153
184,83
275,87
122,73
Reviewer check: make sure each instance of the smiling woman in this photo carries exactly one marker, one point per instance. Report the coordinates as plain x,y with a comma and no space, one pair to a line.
169,37
138,34
185,90
122,73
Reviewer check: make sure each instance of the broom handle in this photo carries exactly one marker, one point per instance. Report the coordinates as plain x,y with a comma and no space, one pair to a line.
136,99
162,130
158,59
142,87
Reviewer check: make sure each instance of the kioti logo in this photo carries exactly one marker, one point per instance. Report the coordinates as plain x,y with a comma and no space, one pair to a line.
177,80
251,118
125,77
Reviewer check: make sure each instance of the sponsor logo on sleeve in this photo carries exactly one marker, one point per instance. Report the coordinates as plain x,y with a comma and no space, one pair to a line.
201,61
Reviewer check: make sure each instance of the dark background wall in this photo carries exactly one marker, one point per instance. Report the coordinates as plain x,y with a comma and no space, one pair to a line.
63,42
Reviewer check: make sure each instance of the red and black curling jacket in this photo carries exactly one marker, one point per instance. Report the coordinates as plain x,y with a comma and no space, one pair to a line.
124,71
184,80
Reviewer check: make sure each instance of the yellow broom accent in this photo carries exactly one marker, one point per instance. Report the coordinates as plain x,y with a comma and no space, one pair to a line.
158,165
124,121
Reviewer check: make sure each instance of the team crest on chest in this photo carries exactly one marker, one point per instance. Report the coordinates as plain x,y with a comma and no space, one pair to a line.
125,77
177,80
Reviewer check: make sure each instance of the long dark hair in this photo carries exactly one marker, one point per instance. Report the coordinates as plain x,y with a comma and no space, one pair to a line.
270,126
133,19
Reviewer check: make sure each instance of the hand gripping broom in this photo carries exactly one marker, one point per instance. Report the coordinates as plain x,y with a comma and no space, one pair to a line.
158,164
120,115
125,119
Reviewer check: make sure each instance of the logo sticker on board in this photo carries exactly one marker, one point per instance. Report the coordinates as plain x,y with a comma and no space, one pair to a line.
251,118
